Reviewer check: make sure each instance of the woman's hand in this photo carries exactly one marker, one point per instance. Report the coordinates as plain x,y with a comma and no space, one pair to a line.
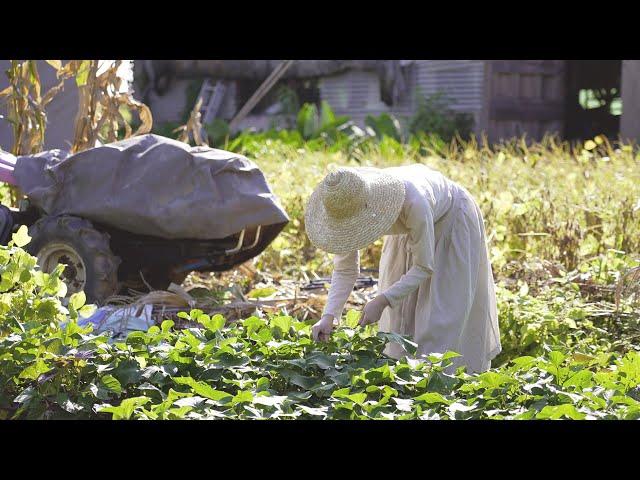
321,331
373,310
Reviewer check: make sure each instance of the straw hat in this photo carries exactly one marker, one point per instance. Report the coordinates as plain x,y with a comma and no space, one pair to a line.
353,207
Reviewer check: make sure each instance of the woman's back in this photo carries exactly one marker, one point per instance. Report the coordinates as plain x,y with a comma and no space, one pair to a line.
434,186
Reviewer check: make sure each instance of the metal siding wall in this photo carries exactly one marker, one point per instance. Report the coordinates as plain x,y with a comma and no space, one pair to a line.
352,92
357,94
461,80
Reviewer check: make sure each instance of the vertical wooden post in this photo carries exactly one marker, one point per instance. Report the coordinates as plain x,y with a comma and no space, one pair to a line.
483,122
630,89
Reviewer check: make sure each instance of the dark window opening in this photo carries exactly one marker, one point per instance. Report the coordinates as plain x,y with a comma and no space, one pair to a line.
594,104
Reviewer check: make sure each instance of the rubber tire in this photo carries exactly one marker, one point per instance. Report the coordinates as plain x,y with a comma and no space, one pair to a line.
6,225
92,246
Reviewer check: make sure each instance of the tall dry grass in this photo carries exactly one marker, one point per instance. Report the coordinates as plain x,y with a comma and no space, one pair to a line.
554,200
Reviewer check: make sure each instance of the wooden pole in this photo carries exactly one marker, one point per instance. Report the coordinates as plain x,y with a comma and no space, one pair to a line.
259,94
630,88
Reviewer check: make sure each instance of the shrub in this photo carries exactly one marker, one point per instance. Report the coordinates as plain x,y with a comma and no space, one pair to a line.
435,117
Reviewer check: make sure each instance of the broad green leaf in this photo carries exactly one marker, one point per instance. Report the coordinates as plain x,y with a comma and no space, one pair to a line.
317,412
320,359
253,324
242,397
111,383
281,322
554,412
581,379
352,318
87,310
441,383
582,358
127,371
357,398
202,388
125,410
432,397
166,325
21,237
556,357
77,300
408,345
524,362
214,323
494,379
261,292
36,369
327,117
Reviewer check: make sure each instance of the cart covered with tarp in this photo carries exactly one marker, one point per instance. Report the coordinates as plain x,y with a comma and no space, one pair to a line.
147,208
152,185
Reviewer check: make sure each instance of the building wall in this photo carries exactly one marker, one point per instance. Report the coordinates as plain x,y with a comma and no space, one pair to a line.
169,106
357,93
630,88
534,90
523,97
462,81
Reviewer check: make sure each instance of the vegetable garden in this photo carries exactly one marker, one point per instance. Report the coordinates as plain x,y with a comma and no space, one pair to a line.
564,232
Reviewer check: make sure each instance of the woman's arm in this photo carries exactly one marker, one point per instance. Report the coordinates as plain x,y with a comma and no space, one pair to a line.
345,273
419,221
406,284
346,269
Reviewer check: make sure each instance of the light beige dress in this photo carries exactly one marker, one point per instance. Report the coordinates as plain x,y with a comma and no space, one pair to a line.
434,271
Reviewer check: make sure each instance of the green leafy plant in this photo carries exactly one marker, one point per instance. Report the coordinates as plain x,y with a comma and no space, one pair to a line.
288,98
269,368
312,124
384,125
218,132
434,116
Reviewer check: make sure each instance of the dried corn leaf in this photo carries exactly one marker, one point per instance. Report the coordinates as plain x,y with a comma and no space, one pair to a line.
57,64
168,299
146,119
51,93
6,92
180,291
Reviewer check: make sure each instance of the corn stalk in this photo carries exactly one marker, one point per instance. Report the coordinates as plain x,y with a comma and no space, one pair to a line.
26,108
101,110
101,106
193,128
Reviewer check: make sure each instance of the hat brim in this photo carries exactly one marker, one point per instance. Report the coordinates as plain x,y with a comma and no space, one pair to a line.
339,236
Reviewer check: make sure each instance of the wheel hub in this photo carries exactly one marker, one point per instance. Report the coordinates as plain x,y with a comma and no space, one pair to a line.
74,274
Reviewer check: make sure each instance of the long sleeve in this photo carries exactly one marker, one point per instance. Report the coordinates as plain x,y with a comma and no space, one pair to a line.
419,221
346,269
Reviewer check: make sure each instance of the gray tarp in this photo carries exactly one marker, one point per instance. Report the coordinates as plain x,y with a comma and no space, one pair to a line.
153,185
